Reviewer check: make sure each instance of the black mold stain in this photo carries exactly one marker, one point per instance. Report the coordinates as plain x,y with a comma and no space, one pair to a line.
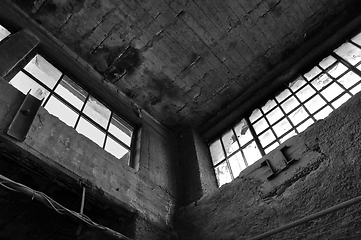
125,63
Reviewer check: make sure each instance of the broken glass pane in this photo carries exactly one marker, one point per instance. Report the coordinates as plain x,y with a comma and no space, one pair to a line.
260,125
349,79
223,174
217,153
269,105
290,104
255,115
275,115
281,127
314,104
237,164
243,133
299,82
298,115
251,153
116,149
71,92
305,125
305,93
312,73
332,91
92,132
341,100
3,33
43,71
97,112
327,61
349,52
266,138
321,81
121,130
337,70
60,110
283,95
229,142
24,83
323,113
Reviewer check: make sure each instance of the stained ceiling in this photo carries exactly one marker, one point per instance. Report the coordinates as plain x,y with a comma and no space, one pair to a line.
184,61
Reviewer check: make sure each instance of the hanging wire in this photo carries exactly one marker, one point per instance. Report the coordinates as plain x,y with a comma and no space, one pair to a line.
46,200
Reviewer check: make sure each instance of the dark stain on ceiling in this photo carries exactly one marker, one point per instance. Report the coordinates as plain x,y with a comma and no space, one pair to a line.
184,61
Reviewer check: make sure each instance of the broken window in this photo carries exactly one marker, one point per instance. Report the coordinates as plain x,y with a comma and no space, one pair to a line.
312,96
73,105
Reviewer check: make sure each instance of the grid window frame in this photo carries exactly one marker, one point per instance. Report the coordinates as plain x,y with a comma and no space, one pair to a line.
320,90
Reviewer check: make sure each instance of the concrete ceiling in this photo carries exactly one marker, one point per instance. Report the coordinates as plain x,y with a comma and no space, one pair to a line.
184,61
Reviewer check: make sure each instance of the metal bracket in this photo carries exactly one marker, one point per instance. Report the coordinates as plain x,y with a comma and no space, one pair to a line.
23,119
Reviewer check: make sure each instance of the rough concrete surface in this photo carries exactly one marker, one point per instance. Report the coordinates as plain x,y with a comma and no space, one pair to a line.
326,173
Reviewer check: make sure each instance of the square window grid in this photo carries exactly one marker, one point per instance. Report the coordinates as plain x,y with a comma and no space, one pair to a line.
65,99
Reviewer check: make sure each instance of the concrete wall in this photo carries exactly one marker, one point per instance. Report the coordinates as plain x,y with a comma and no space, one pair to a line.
325,172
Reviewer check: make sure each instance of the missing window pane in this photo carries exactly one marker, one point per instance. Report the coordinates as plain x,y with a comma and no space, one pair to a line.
92,132
121,130
237,164
43,71
24,83
71,92
117,150
229,142
97,112
251,153
223,174
60,110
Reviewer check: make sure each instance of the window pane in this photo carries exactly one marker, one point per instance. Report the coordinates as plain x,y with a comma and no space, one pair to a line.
297,84
314,104
356,89
283,95
349,79
97,112
341,100
243,133
281,127
60,110
266,138
312,73
290,104
237,164
270,148
255,115
119,129
288,136
349,52
327,61
43,71
117,150
332,91
216,152
357,39
305,93
251,153
323,113
71,92
260,125
337,70
3,33
24,83
298,115
269,105
274,115
305,125
222,173
92,132
321,81
229,142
